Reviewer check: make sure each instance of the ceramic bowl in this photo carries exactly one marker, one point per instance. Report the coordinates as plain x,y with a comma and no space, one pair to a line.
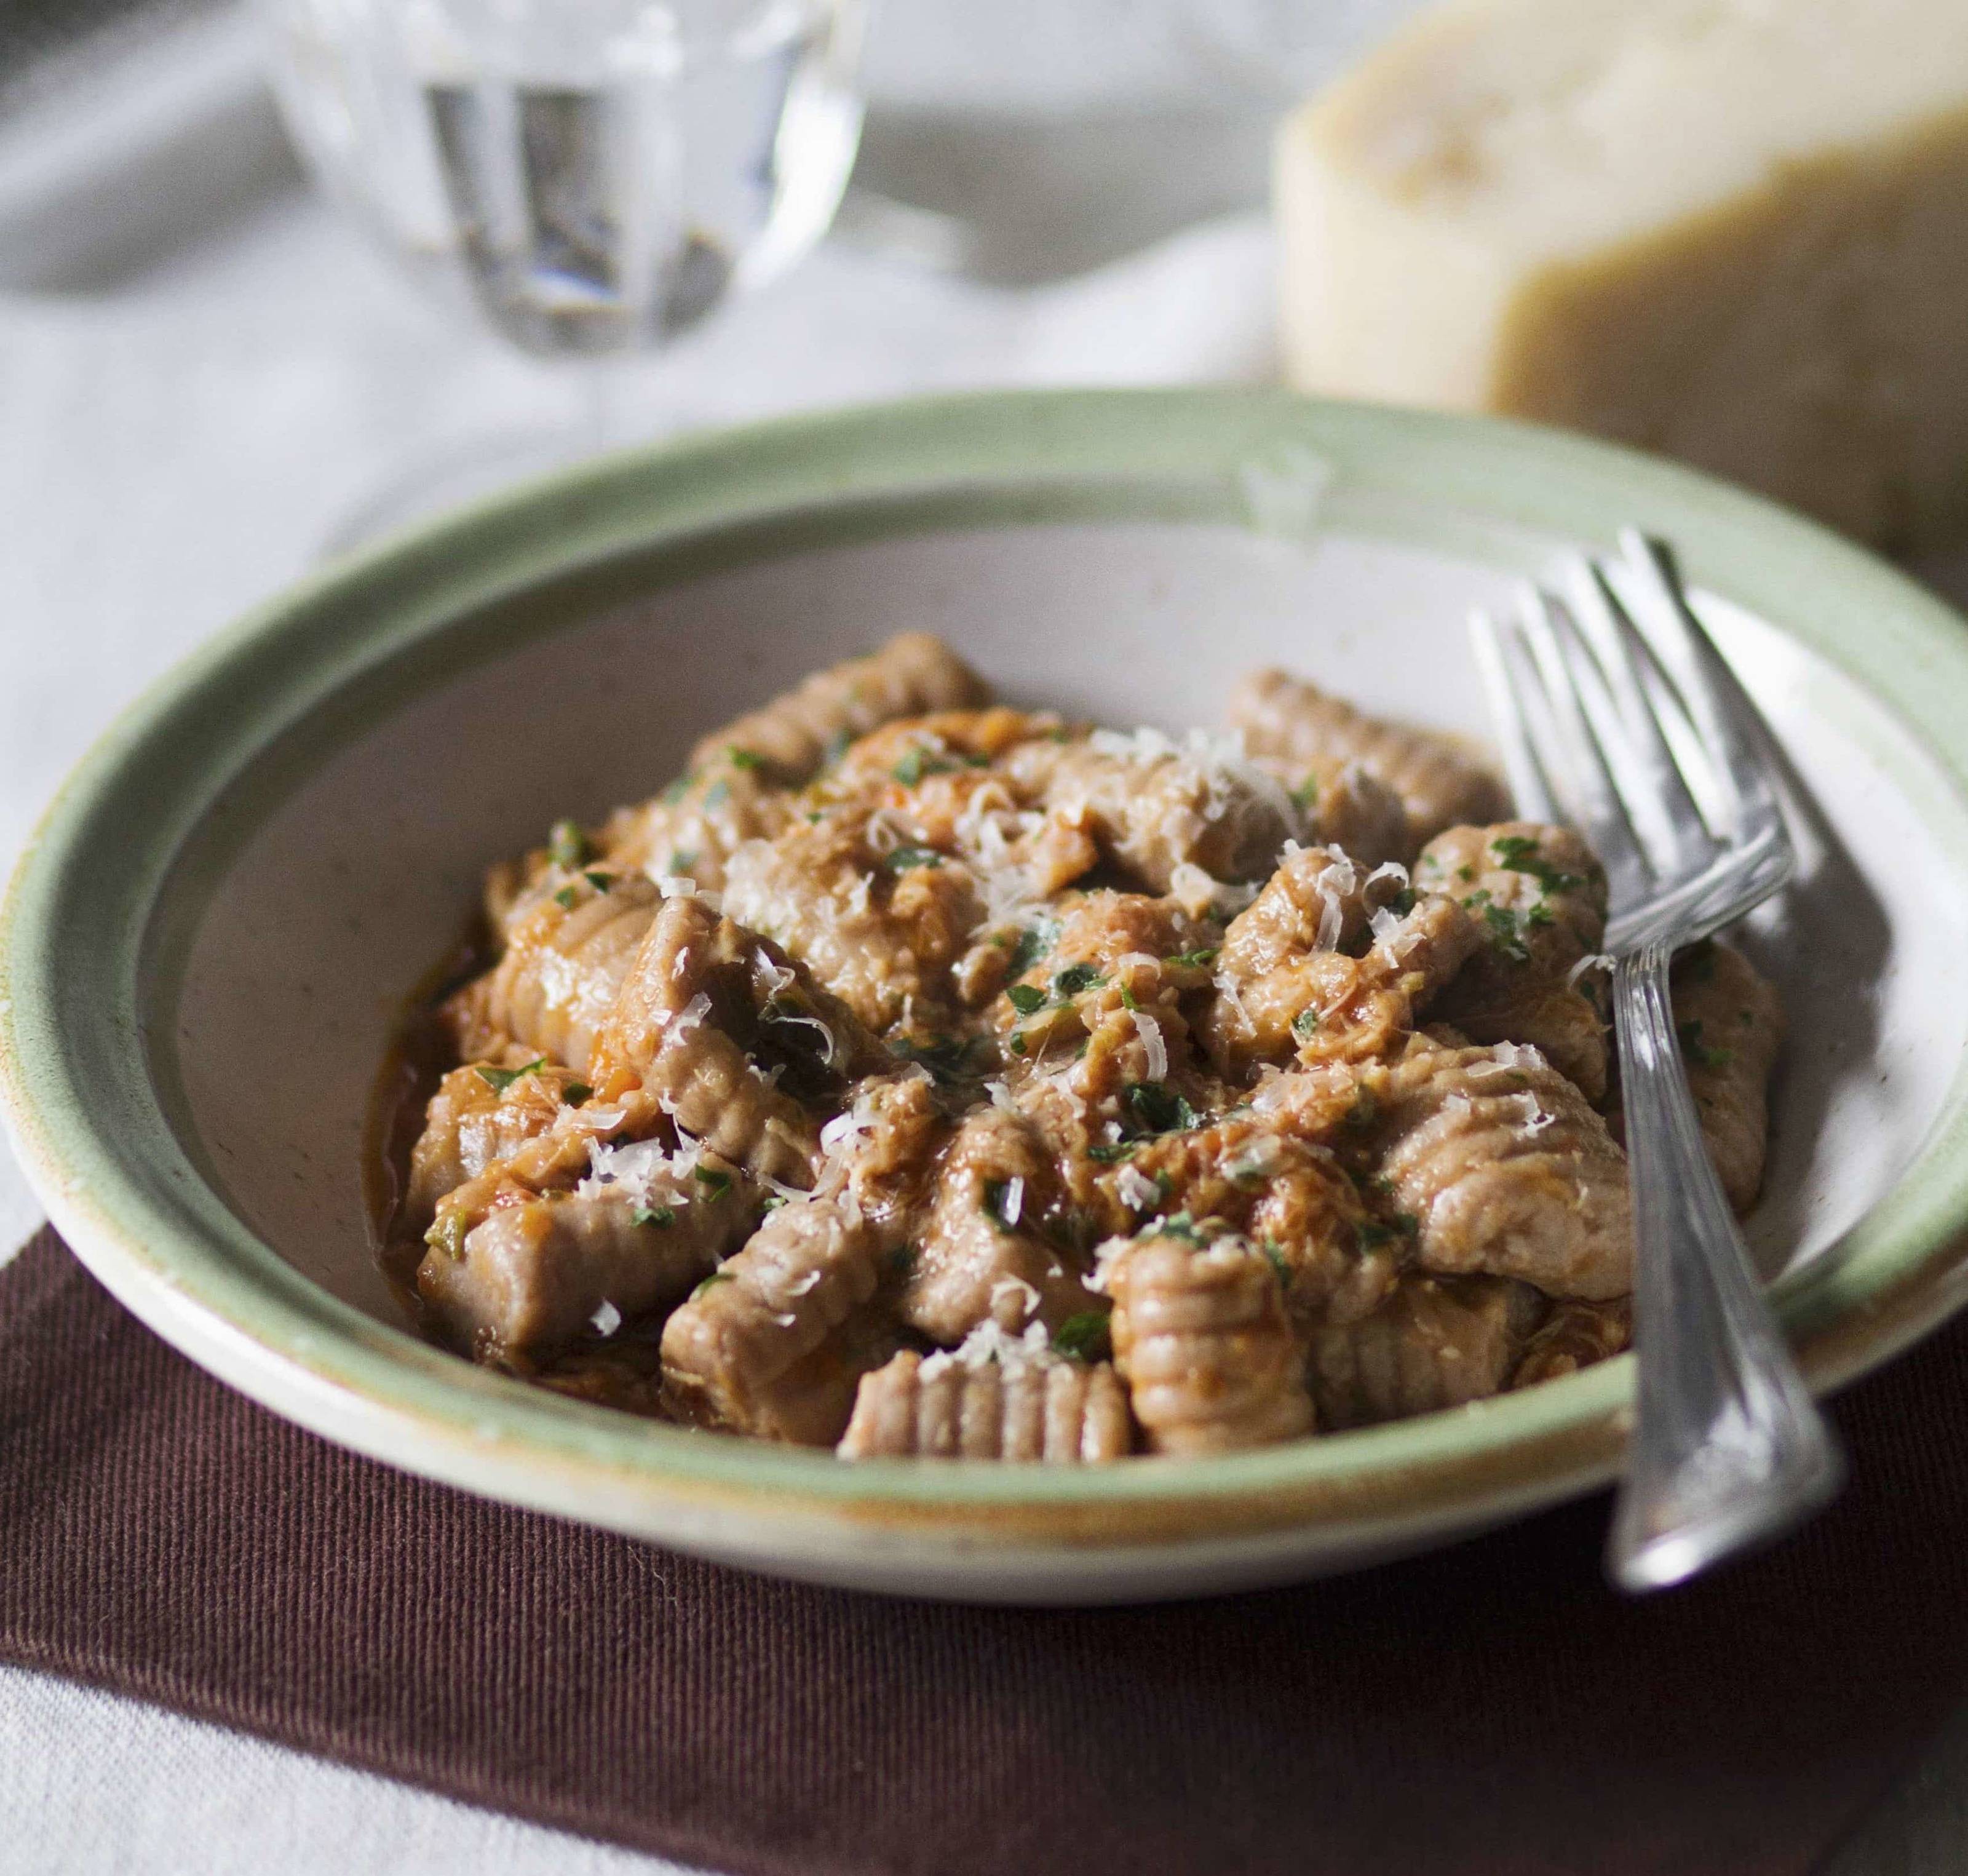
207,945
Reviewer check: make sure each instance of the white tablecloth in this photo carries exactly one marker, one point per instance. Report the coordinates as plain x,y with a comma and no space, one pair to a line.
174,443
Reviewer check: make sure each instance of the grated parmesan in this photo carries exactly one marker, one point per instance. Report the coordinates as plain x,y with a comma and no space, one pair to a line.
1017,1287
1150,1033
1103,1256
1592,961
691,1014
1228,987
677,886
1192,889
788,1020
634,1171
988,1342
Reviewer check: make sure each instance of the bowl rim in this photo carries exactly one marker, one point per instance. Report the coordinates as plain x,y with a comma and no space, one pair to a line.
97,1144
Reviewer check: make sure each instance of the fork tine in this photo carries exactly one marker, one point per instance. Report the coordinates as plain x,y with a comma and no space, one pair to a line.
1531,791
1596,800
1717,703
1658,799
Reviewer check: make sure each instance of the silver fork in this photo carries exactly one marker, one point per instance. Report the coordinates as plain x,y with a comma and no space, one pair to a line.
1644,739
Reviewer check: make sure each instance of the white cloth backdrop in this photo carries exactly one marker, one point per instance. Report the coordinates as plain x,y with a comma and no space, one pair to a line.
175,438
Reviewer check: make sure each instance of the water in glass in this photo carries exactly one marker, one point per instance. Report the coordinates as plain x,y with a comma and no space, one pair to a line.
598,173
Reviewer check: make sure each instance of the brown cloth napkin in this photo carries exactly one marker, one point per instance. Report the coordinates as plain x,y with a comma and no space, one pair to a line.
1492,1708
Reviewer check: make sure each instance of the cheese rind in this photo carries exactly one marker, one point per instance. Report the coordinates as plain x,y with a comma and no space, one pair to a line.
1732,230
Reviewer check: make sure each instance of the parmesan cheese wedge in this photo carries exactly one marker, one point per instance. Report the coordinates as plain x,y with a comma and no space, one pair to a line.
1732,230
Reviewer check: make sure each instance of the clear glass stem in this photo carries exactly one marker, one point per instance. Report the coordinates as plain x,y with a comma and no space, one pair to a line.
604,416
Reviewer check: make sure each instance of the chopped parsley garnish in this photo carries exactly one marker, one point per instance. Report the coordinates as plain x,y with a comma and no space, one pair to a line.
1018,1045
1034,942
1518,853
1194,961
600,881
1075,978
1539,916
1402,903
566,896
717,794
1370,1233
660,1216
1276,1258
567,846
744,758
1466,874
1699,1052
1176,1225
1503,933
1105,1155
903,858
1026,998
1304,1025
948,1059
1085,1337
1306,794
577,1093
715,1184
681,861
717,1276
499,1080
1365,1110
1128,999
920,762
1158,1108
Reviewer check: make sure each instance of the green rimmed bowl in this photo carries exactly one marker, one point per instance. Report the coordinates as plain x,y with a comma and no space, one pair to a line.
207,945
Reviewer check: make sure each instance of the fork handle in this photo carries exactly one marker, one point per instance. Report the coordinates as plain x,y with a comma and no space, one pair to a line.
1728,1447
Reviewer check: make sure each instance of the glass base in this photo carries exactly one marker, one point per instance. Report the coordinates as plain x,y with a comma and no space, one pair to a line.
457,474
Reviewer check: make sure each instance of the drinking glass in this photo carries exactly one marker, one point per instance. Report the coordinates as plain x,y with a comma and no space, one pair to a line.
593,177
